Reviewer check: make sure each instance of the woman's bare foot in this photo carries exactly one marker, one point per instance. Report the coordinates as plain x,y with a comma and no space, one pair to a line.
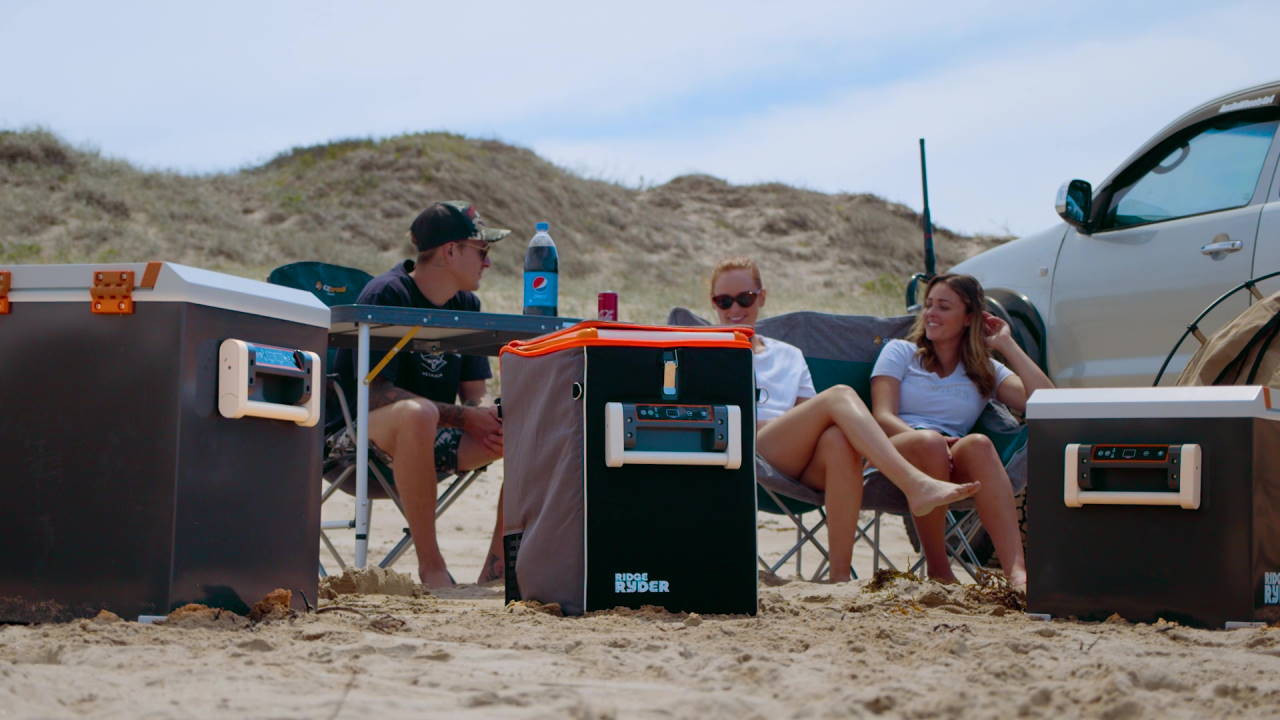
945,578
930,494
493,569
435,578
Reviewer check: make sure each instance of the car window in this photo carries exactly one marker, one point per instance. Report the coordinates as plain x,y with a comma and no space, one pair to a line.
1215,168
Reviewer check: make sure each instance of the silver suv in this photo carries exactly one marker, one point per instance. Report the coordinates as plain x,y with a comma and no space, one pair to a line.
1100,299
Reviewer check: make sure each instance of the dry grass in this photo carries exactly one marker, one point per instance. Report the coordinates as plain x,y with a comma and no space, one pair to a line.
350,202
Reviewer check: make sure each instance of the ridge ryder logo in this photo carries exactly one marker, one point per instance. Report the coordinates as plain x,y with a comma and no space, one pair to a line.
638,583
1271,588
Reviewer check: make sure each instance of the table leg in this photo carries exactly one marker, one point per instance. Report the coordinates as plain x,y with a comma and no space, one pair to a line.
362,447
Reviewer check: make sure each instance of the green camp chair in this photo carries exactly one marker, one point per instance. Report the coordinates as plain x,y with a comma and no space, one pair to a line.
338,285
842,349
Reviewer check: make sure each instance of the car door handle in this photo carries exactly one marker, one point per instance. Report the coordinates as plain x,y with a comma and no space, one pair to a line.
1221,248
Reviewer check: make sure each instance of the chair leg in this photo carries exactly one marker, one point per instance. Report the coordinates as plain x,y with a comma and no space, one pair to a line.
332,551
451,493
804,534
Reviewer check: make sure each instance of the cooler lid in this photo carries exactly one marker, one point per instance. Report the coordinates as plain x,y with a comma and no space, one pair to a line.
169,282
1208,401
595,333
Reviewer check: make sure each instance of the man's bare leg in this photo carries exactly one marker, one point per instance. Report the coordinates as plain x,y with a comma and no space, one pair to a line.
472,454
407,429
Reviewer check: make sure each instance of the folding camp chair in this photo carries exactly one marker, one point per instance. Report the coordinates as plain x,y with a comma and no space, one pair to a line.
338,285
842,349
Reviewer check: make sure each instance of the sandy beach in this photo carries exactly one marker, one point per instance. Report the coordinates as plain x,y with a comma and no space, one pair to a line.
908,649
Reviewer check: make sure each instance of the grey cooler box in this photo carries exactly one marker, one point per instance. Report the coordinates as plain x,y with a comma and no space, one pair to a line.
158,439
1155,503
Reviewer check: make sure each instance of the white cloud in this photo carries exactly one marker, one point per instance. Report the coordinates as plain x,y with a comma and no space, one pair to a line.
825,94
1003,131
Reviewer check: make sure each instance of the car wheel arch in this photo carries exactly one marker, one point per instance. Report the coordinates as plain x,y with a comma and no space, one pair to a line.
1024,319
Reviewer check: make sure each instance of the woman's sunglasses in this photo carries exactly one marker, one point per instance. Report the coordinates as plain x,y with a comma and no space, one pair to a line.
745,299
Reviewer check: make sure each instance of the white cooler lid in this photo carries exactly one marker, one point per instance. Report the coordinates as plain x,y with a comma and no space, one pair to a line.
1210,401
174,283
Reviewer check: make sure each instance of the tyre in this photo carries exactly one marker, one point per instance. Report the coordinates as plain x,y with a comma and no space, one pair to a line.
1027,340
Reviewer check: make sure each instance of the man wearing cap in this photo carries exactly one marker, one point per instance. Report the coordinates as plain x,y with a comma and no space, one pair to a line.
414,410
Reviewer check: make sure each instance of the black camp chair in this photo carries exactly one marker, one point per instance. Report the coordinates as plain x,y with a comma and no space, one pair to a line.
338,285
842,349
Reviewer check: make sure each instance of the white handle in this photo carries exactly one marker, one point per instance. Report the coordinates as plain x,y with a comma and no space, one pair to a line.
233,389
615,454
1187,497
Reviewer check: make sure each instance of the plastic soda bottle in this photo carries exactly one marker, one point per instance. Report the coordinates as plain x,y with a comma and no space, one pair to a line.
541,273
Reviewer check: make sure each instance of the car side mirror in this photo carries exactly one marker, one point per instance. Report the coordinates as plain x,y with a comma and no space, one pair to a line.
1075,204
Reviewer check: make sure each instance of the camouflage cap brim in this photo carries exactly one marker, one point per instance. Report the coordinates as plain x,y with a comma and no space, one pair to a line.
493,235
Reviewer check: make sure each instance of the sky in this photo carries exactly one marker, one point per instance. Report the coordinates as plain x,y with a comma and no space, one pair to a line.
1013,98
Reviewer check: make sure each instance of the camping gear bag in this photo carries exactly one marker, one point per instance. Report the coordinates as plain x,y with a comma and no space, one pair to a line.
1243,352
629,473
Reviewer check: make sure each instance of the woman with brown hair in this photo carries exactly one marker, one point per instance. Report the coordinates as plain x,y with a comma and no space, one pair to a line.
820,439
927,392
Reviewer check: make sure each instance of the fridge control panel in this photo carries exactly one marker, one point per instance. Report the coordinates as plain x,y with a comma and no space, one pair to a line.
672,434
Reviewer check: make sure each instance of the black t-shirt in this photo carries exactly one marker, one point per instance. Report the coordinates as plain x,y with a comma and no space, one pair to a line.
431,375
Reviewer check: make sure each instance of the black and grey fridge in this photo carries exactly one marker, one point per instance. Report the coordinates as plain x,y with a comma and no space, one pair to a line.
629,468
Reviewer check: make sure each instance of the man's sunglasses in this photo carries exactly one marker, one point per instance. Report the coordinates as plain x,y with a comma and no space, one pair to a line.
482,248
745,299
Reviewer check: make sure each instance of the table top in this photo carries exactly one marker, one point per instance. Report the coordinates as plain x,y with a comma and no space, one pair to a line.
471,333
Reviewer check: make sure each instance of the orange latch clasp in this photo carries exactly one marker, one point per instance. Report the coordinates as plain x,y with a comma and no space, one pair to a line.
111,292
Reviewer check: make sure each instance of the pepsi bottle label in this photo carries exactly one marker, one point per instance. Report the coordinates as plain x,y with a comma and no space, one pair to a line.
540,289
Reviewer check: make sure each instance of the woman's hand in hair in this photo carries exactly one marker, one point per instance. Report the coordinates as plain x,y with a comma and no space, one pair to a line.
997,333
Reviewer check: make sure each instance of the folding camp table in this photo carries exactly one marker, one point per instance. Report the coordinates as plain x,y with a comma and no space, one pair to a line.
380,328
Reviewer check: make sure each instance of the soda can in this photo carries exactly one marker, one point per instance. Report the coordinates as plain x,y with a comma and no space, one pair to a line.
607,306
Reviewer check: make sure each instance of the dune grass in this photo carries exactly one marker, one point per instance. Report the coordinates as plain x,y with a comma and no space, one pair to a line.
350,202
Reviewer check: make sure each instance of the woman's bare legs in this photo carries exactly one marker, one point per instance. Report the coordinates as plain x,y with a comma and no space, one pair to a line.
971,457
788,443
928,451
976,457
836,470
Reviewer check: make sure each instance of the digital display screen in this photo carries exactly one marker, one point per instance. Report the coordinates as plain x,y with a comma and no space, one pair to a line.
673,412
279,357
1149,453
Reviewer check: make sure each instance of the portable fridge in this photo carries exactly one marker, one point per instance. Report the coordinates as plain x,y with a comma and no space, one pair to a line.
159,442
1155,503
629,468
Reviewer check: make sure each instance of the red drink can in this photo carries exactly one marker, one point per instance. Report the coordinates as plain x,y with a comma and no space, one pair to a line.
607,306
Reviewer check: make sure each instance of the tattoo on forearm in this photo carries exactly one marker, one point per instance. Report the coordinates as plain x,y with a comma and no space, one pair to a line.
471,402
383,393
450,415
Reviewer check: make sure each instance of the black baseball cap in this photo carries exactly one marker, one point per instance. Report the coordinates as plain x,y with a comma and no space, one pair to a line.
451,221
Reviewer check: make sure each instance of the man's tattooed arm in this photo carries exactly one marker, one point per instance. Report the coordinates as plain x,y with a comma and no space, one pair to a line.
450,415
383,393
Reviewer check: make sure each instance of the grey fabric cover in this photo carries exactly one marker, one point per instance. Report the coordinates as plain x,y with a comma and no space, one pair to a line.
855,338
543,474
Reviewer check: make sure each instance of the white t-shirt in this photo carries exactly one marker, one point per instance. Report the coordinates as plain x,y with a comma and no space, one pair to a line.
950,405
782,377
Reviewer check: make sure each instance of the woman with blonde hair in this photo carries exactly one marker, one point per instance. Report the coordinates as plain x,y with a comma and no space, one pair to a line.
927,392
822,438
